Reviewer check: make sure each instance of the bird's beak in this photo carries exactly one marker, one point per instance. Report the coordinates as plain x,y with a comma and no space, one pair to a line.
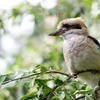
57,32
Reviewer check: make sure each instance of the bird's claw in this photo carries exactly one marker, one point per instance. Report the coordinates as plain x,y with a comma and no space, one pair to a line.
74,75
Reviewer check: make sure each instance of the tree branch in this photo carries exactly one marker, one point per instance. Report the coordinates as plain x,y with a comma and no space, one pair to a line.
52,71
28,76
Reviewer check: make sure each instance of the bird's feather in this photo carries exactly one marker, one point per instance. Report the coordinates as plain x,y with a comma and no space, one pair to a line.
94,40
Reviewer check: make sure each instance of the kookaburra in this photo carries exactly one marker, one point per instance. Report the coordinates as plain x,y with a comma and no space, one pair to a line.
81,51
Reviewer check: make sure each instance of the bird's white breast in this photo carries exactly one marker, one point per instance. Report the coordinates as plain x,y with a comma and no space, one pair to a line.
81,54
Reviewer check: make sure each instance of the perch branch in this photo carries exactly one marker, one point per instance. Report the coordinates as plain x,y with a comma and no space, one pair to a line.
34,74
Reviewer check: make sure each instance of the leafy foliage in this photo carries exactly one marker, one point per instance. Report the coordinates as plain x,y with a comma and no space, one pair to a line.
27,76
40,84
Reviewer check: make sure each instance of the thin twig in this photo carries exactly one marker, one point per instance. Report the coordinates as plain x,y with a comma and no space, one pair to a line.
53,71
20,78
28,76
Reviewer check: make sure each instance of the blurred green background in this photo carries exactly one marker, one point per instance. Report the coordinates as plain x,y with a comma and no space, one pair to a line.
24,40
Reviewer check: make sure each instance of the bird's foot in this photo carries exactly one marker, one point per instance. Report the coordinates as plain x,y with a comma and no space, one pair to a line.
74,75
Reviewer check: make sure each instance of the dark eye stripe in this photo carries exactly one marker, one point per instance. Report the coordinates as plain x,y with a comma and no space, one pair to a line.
66,25
76,26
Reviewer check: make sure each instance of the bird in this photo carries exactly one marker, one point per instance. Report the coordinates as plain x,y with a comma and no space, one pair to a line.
81,51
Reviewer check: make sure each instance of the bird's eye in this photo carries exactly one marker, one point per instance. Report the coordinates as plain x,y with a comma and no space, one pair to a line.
66,25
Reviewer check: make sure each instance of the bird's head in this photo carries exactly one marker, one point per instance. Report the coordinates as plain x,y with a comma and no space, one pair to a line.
70,25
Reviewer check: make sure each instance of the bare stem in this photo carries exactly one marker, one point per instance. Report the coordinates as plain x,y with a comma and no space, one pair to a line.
28,76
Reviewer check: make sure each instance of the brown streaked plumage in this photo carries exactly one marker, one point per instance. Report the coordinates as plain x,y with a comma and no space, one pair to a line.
81,51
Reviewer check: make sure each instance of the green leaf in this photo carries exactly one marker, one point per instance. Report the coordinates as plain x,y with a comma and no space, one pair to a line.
43,83
40,68
84,92
58,81
40,91
6,77
2,78
59,96
30,96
